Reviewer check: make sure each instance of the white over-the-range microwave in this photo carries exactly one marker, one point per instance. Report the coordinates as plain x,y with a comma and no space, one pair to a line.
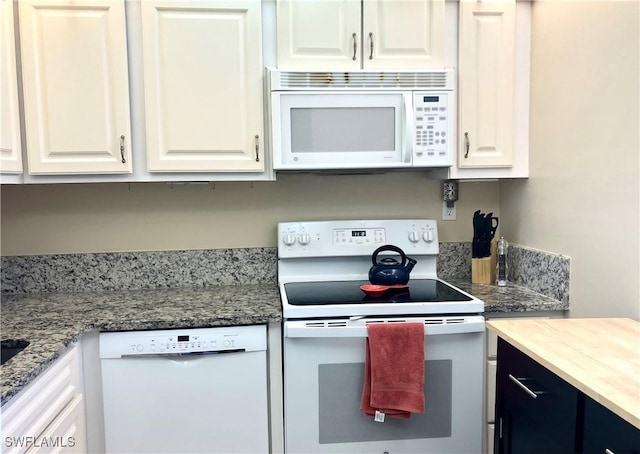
362,119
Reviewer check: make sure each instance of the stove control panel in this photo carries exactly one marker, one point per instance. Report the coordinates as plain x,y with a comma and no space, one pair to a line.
354,238
347,237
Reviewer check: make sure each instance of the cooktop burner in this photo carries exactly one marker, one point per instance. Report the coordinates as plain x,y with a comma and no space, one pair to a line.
349,292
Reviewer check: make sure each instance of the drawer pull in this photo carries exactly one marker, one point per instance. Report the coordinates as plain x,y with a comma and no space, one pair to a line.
523,386
608,451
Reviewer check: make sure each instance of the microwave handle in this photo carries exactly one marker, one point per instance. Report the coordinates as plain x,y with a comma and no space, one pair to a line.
407,145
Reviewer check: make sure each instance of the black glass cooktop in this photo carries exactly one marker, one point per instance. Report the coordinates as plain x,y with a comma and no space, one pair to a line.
349,292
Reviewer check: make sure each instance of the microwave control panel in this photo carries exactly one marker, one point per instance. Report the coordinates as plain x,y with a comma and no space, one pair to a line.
432,139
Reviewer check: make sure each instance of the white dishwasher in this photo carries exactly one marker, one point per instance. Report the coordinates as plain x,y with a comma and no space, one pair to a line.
185,391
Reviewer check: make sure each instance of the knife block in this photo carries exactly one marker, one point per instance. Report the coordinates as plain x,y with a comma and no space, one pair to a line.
483,270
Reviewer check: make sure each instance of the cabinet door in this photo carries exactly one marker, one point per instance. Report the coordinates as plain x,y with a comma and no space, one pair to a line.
486,83
76,91
536,409
203,85
319,34
10,149
403,34
606,432
67,432
51,405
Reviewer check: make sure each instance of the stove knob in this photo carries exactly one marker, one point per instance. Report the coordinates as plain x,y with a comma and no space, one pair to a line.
414,236
304,239
289,239
428,236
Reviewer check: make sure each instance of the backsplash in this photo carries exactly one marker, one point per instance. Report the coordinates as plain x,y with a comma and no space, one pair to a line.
540,271
137,270
454,261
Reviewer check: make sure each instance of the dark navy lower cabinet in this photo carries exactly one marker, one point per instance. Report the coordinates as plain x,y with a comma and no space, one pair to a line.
605,432
538,412
535,409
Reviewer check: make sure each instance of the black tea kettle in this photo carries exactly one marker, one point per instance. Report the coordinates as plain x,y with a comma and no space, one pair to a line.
388,271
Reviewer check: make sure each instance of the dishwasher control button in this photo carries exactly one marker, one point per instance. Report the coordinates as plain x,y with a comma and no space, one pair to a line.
139,347
227,343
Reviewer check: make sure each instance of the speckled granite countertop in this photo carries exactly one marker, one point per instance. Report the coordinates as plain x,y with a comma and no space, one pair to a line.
512,298
52,322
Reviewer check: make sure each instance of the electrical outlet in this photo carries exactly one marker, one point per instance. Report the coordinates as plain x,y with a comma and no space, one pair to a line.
448,214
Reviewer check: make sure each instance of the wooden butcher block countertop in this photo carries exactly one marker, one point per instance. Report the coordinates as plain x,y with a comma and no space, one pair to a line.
599,356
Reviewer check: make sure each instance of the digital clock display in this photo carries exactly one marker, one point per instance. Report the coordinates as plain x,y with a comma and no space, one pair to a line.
358,233
430,98
183,338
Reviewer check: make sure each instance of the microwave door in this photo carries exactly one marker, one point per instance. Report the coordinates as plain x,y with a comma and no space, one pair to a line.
342,130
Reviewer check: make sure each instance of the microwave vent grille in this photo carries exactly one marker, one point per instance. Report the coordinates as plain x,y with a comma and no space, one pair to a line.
440,79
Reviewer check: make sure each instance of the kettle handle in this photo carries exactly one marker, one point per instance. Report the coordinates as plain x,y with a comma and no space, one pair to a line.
389,247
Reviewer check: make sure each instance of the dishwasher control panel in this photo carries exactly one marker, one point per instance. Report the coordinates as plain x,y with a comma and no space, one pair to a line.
183,341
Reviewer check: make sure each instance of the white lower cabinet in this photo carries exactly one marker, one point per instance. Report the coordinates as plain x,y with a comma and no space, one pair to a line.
67,432
48,415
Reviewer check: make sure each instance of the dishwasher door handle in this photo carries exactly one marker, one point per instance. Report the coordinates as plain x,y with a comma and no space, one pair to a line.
179,355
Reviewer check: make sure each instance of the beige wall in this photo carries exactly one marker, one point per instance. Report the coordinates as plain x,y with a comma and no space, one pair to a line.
68,218
582,197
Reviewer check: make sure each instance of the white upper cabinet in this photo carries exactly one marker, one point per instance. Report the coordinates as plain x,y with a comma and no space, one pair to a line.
319,34
403,34
203,85
10,148
486,84
350,34
75,83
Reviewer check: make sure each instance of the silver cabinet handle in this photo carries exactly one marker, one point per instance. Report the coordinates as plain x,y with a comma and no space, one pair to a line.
355,46
370,46
522,385
122,149
257,138
608,451
466,145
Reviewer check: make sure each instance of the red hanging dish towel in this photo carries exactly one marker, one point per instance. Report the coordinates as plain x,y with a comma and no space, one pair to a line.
394,369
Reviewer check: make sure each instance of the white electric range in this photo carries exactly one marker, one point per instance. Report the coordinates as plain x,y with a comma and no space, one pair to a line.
321,267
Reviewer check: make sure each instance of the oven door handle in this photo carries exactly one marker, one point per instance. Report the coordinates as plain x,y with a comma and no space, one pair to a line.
301,329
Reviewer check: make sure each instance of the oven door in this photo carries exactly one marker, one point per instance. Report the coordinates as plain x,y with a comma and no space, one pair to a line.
324,376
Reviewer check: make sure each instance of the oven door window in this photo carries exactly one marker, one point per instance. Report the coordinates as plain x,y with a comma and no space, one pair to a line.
340,419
